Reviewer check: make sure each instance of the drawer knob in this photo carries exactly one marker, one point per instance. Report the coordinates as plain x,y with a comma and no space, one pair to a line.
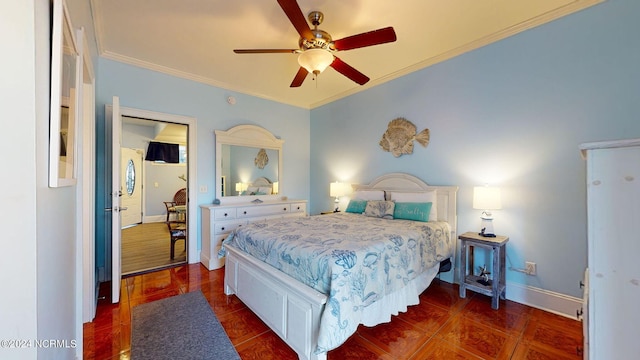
222,228
245,212
225,214
284,209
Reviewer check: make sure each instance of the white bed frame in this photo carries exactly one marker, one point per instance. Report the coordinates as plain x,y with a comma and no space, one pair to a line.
291,309
261,181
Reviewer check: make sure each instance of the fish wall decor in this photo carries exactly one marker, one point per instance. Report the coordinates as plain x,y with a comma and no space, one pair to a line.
399,137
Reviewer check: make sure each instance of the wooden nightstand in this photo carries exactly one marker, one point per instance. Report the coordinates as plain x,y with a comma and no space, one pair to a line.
497,286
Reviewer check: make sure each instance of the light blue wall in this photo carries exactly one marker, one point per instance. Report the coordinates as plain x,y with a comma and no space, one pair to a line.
511,114
148,90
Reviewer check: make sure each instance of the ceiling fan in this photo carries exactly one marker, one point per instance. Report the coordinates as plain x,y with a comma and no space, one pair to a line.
316,47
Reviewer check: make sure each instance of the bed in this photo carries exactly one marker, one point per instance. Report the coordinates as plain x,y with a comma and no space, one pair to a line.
313,280
260,186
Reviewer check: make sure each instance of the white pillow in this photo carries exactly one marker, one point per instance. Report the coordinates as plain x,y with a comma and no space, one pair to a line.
266,190
424,196
368,195
252,189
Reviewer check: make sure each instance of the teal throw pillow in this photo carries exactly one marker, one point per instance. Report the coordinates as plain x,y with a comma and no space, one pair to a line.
412,211
356,206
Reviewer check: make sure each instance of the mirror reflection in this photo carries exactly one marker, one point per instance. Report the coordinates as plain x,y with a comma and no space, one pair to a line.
67,108
64,83
249,171
248,164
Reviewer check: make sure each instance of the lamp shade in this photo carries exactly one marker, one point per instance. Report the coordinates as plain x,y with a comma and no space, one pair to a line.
487,198
337,189
315,60
275,187
241,186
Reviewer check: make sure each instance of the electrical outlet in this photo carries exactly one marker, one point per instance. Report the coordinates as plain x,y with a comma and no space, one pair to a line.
530,268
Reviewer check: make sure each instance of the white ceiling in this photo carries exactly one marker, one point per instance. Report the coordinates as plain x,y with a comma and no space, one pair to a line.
162,131
194,39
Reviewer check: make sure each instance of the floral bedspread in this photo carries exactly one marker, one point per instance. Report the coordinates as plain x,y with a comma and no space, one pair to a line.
352,258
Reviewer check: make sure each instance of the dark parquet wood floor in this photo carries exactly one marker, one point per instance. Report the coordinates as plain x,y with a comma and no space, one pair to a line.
442,326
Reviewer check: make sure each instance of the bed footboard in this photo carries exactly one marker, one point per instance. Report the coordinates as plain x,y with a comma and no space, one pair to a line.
291,309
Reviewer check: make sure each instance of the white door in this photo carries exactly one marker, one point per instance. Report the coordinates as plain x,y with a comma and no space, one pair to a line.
116,192
131,180
613,198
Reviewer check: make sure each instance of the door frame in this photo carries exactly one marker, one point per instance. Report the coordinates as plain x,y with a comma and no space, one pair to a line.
192,220
192,146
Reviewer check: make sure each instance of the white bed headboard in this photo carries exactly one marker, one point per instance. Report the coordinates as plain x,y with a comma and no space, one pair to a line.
262,181
408,183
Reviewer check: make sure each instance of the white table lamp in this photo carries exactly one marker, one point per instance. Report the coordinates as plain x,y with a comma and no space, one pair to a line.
486,198
336,190
240,187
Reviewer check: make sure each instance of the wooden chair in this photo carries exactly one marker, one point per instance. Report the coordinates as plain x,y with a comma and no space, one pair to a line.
177,231
179,199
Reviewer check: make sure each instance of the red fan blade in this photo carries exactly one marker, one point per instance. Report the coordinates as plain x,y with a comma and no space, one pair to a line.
375,37
348,71
295,15
300,76
265,51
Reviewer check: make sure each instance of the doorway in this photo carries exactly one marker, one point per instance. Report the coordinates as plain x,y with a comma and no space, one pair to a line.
150,235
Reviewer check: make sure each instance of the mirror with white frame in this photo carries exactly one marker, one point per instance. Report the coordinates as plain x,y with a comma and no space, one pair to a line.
65,72
248,164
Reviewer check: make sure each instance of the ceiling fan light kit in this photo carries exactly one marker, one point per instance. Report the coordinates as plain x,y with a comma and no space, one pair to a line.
316,47
315,60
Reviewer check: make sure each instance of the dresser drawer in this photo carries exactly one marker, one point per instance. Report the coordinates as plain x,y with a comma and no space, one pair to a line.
224,214
226,227
267,210
217,242
298,207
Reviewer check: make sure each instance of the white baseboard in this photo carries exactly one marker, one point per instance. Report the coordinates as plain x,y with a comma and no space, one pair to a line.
211,263
553,302
154,218
546,300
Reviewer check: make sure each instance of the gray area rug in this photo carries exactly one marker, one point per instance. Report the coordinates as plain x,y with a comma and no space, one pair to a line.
179,327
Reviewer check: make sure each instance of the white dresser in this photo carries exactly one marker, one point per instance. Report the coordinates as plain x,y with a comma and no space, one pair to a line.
220,220
613,276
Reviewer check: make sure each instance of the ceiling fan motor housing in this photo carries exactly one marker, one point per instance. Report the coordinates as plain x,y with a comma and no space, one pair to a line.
321,40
